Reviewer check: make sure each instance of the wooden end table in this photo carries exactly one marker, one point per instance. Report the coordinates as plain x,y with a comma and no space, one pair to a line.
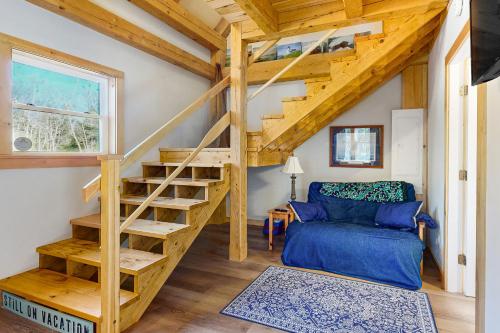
282,212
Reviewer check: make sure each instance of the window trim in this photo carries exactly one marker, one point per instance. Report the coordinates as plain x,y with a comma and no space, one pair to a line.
14,160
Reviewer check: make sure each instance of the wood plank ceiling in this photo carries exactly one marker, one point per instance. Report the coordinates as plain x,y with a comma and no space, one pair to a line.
295,17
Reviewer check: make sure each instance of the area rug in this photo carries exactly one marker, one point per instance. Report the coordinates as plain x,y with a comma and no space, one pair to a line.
298,301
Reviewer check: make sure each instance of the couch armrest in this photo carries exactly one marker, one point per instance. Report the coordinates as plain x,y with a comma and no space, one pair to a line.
421,230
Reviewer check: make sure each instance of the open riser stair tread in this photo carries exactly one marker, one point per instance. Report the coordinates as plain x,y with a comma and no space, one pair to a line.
67,294
164,202
190,165
132,262
140,227
176,181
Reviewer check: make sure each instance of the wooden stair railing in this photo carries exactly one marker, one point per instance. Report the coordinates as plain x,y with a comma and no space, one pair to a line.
211,135
111,228
93,187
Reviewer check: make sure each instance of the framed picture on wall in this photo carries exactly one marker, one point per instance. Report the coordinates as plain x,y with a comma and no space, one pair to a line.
357,146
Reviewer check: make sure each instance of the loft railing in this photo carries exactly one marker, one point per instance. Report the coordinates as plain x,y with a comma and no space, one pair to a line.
93,187
290,65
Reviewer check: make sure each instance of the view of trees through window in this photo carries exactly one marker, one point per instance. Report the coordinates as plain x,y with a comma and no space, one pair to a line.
54,112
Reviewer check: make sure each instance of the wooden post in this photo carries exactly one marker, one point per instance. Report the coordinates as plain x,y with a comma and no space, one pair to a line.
238,194
110,243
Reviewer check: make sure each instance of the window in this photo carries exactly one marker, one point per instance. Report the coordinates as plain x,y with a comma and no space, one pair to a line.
59,108
56,110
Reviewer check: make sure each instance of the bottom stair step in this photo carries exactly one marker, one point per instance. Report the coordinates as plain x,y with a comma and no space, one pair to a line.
80,298
132,262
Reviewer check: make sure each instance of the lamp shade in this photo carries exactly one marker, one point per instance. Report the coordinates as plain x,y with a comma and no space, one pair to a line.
292,166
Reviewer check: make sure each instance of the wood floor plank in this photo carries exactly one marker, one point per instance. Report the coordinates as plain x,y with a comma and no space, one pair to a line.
205,282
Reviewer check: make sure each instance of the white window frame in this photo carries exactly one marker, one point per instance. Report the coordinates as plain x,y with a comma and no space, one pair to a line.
108,126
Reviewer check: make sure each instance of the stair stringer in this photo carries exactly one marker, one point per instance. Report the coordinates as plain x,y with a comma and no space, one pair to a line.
407,38
151,283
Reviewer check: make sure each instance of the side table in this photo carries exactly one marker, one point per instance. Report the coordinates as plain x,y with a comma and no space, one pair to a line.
282,212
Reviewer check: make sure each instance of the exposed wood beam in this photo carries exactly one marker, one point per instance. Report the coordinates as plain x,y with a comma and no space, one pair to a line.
262,13
95,17
170,12
223,27
238,194
322,17
353,8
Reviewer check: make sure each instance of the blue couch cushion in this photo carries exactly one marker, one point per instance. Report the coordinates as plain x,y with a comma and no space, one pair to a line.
378,254
346,210
398,215
308,211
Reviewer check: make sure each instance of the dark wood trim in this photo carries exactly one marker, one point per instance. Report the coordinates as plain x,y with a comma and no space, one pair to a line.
381,166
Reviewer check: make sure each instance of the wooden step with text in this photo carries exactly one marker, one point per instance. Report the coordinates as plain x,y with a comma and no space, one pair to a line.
71,295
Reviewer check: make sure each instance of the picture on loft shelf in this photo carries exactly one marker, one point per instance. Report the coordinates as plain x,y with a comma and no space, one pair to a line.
307,45
357,146
289,50
269,55
339,43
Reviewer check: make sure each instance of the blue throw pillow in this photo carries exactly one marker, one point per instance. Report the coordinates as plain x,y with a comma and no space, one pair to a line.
307,212
398,215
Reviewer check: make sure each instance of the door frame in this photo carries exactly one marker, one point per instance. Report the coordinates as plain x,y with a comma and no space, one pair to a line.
480,182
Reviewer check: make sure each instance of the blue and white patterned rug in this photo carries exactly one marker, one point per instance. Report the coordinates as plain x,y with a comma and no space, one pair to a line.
298,301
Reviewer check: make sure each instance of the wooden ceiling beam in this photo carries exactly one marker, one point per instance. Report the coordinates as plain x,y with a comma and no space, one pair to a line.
327,16
262,13
97,18
223,27
176,16
353,8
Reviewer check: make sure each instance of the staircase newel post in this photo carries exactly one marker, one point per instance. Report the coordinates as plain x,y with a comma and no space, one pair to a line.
238,129
110,243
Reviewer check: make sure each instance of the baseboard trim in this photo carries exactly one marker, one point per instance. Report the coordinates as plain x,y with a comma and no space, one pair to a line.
252,222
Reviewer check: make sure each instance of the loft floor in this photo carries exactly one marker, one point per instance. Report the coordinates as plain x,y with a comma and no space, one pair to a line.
205,281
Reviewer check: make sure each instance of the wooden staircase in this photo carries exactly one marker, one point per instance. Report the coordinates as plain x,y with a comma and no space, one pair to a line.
378,59
68,277
152,220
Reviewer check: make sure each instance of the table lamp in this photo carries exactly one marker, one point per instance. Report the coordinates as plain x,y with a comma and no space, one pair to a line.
292,167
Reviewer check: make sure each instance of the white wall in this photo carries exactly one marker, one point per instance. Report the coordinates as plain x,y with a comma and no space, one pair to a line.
36,204
268,187
449,32
492,271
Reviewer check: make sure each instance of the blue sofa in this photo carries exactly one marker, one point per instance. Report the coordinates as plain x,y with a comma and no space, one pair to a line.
350,243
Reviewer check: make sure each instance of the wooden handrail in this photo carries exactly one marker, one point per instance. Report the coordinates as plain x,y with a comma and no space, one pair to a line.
92,188
293,63
211,135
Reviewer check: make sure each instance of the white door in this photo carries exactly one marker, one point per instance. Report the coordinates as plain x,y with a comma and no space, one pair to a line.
461,205
407,147
468,245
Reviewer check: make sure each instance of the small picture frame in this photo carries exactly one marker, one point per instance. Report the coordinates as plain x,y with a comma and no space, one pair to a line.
357,146
289,50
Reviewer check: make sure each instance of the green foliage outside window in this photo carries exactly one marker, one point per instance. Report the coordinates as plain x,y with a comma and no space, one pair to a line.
52,132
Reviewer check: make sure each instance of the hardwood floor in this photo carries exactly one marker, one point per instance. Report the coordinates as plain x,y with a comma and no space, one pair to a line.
206,281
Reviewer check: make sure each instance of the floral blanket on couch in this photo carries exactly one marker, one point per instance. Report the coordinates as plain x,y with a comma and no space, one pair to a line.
383,191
